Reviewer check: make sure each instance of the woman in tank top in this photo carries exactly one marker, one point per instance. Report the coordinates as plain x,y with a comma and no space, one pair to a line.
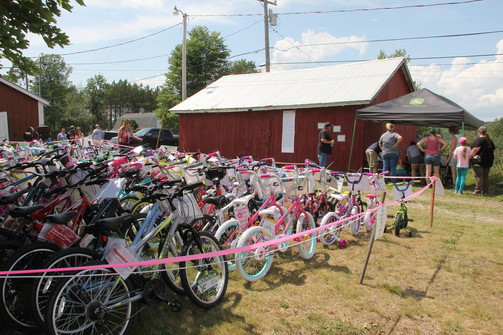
432,146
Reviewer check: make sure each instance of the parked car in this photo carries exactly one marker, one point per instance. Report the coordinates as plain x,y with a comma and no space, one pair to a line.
151,137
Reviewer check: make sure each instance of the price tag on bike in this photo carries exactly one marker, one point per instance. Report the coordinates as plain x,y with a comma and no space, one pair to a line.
242,215
117,254
380,222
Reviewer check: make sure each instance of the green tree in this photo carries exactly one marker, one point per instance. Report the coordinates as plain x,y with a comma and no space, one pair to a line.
18,18
95,98
241,66
400,53
53,84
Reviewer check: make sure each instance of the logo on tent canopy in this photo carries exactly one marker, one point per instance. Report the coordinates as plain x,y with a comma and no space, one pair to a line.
417,101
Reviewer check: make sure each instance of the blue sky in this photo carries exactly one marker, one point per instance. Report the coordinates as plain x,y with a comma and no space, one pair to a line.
476,83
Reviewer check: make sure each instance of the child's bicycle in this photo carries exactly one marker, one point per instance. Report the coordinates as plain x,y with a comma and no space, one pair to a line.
401,217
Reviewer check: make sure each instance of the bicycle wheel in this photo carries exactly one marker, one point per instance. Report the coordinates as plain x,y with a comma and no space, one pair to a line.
128,202
172,274
368,220
7,249
43,286
7,235
356,222
253,264
15,292
228,236
306,243
91,302
398,223
331,234
140,207
204,280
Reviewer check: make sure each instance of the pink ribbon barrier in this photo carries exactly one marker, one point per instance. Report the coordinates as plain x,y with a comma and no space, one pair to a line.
215,253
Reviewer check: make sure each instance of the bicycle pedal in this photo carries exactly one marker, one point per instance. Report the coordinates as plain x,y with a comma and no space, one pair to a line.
410,220
390,216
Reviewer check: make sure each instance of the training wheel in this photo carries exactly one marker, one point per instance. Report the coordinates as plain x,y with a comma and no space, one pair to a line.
342,243
283,246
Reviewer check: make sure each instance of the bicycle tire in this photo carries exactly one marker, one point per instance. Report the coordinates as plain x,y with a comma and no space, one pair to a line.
398,224
356,222
14,292
7,249
128,202
254,264
307,244
72,298
228,236
171,275
43,286
139,206
329,235
7,235
204,280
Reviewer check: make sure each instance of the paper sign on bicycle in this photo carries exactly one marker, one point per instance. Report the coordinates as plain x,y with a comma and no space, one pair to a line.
269,226
380,222
118,253
242,215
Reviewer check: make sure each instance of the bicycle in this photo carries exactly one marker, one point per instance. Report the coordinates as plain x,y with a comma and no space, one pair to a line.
402,216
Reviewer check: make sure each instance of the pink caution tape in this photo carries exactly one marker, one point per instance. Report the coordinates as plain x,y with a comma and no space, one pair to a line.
215,253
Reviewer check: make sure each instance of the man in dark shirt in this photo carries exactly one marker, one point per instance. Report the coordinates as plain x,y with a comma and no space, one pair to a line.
325,143
372,154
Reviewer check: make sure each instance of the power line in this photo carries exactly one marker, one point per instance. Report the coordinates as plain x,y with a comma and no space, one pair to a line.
293,45
118,44
393,39
351,10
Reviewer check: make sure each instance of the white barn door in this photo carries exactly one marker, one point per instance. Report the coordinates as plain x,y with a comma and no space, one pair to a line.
4,126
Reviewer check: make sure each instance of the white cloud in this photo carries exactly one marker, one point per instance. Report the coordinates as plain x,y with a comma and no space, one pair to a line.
320,45
477,87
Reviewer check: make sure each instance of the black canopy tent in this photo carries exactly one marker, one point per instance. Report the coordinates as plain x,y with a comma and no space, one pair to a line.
420,108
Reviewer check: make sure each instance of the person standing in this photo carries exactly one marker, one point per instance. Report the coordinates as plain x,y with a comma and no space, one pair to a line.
484,147
97,135
432,146
416,159
372,154
389,144
325,144
451,161
461,154
79,136
62,135
71,133
124,135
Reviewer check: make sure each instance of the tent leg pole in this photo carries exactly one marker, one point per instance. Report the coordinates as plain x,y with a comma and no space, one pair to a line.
463,128
352,145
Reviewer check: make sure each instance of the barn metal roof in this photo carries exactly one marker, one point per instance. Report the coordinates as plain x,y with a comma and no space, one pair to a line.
26,92
338,85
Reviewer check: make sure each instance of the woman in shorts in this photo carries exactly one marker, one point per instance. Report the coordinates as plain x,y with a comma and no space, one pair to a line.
432,146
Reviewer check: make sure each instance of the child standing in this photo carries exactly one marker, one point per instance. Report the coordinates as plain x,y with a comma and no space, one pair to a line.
461,153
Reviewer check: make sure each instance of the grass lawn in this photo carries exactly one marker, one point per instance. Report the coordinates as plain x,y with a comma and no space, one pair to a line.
444,280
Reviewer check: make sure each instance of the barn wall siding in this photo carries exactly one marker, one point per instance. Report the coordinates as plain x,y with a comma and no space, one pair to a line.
259,133
21,109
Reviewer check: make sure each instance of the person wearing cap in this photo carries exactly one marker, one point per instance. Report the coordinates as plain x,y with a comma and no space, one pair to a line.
389,143
372,154
325,144
484,147
461,154
432,146
97,135
71,133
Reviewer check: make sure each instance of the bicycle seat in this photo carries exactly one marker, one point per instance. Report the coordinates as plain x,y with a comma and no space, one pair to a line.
268,211
119,224
25,211
219,200
371,196
61,218
339,197
12,198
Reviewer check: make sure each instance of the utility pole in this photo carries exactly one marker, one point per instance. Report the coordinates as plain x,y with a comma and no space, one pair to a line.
184,53
266,30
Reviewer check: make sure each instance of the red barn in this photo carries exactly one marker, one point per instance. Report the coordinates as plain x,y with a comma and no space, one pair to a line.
279,114
19,110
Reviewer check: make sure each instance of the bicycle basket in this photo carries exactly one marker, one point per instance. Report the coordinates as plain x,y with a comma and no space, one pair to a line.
267,186
296,186
187,207
193,175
